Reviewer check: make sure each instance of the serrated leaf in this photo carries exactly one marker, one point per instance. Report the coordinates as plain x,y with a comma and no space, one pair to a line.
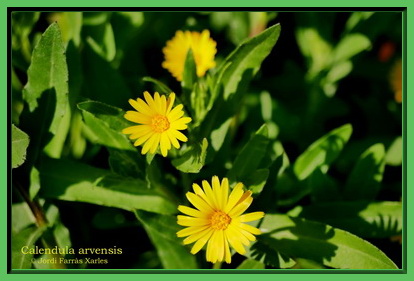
250,156
27,237
247,56
365,179
72,181
48,74
107,123
363,218
162,231
192,159
322,152
321,243
20,142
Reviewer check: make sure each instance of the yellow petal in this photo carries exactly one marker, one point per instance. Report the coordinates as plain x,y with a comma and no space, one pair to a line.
210,198
136,129
227,254
165,144
250,228
150,101
144,109
172,139
196,236
170,103
156,143
143,139
190,230
163,105
137,117
242,205
199,203
224,192
217,192
212,249
234,241
220,245
190,221
251,216
190,211
178,135
201,242
148,144
176,113
234,197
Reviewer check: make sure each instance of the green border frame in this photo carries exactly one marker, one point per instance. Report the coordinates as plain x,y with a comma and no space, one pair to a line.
238,275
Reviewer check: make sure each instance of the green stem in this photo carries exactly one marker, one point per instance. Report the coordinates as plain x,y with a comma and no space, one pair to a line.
217,265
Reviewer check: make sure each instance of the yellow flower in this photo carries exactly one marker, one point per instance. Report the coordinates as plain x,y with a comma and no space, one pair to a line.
218,220
160,123
175,52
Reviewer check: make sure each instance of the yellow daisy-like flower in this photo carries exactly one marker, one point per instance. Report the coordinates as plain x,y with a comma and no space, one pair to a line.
175,52
159,123
218,220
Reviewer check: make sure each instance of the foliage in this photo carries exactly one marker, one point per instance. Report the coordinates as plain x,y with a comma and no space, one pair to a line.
300,112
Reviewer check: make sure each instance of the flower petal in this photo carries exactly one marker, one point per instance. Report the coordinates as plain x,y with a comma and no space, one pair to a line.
251,216
198,202
234,197
201,242
137,117
190,221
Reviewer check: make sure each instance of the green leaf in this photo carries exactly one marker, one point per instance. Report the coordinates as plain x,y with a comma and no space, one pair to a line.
251,264
365,179
350,45
162,88
21,216
256,180
193,158
322,152
162,231
27,237
107,123
266,105
248,56
72,181
34,183
362,218
315,48
101,80
126,163
219,134
322,187
190,71
321,243
250,156
394,153
48,74
20,142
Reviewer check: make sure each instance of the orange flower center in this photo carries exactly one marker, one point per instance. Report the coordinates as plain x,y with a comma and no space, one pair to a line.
160,123
220,220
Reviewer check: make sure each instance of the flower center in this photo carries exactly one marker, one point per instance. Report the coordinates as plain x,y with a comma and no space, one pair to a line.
160,123
220,220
